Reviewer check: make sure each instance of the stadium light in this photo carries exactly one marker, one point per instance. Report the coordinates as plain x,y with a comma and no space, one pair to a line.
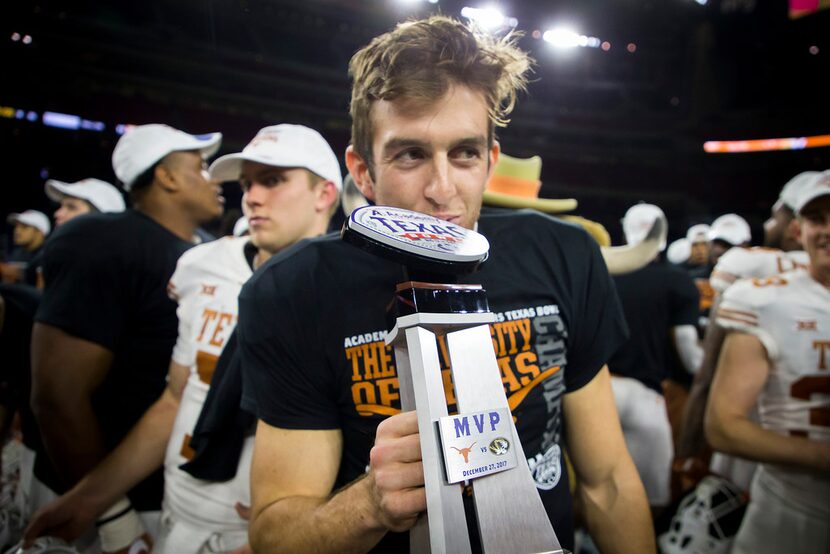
489,19
563,37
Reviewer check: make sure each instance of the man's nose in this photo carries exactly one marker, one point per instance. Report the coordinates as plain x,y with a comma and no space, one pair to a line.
440,188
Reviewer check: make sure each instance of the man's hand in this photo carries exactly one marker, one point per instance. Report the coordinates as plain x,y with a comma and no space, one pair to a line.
396,472
67,517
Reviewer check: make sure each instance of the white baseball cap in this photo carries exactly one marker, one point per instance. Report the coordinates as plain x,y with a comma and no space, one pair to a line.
142,147
36,219
638,221
698,233
103,196
283,145
790,191
816,186
730,228
679,251
241,226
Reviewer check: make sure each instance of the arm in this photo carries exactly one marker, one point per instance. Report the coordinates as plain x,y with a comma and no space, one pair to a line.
688,349
294,509
137,456
610,490
66,371
742,372
692,442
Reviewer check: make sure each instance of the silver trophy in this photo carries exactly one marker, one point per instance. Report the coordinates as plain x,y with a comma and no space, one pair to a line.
480,444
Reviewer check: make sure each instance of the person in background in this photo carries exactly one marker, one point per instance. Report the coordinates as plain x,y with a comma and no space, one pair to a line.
660,303
104,331
30,231
774,359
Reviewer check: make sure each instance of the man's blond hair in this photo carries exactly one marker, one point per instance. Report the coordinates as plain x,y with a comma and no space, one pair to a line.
420,60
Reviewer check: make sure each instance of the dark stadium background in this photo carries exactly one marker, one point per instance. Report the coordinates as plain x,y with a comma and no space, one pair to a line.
613,127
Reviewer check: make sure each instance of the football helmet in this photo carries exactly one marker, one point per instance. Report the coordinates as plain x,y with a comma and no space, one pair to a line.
707,519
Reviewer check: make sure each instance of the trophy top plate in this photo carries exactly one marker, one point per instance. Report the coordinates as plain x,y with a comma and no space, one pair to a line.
415,236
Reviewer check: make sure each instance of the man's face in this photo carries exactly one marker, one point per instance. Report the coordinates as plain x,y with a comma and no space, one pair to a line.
777,233
717,248
201,196
281,204
700,253
26,235
814,227
70,208
433,159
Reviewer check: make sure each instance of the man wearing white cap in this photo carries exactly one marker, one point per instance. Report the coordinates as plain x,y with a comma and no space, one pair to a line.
660,302
85,196
105,330
774,358
698,238
291,181
30,231
781,252
727,231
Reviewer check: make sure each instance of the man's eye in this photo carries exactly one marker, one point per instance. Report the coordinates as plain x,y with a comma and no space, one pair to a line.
409,155
468,153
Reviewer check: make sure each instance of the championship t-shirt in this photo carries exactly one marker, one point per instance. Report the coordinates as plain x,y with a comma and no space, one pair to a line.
313,322
655,299
106,277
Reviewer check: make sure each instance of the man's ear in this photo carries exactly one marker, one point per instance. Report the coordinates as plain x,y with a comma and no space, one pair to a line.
359,170
793,230
326,195
795,227
165,178
493,158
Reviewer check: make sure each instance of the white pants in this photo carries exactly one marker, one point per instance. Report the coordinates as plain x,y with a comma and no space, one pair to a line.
773,524
735,469
647,431
177,536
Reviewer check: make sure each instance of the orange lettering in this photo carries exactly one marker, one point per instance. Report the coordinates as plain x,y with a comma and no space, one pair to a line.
216,340
353,355
821,346
388,390
207,315
507,376
526,364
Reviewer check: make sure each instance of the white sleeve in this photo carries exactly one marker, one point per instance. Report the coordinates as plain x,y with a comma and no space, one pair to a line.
742,310
688,347
728,269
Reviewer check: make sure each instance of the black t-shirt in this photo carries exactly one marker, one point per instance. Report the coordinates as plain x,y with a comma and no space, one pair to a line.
654,299
313,320
106,280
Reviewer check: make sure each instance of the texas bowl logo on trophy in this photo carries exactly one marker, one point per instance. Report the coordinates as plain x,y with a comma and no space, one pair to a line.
480,444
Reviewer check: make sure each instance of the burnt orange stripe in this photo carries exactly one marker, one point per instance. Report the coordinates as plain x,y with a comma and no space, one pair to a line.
741,312
750,323
205,366
724,275
738,316
187,451
516,398
820,417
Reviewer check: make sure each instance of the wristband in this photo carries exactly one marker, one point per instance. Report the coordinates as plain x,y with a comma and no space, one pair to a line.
119,526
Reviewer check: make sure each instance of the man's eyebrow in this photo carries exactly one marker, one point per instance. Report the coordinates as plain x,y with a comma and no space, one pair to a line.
403,142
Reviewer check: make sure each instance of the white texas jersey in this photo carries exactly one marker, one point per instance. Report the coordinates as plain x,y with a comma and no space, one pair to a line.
744,263
790,314
206,285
